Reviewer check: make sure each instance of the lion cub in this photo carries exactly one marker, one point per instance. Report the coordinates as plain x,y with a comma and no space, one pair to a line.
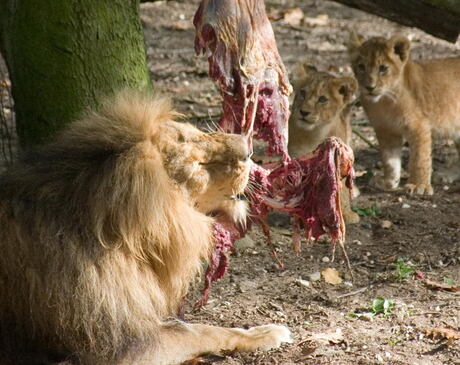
321,109
406,100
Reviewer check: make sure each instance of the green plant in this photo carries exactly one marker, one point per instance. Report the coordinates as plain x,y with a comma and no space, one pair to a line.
404,269
379,305
371,211
448,281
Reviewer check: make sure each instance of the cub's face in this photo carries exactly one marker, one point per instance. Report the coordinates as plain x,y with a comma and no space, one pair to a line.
320,98
212,168
378,64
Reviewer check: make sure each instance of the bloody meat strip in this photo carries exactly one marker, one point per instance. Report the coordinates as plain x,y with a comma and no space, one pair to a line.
225,235
245,63
307,188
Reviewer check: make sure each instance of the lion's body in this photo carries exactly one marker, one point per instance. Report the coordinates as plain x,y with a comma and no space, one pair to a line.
103,231
312,122
408,100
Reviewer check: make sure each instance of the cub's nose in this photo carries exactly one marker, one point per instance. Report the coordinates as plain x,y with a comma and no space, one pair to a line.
304,113
370,88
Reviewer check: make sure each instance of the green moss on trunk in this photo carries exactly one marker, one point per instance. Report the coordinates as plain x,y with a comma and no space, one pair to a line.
64,55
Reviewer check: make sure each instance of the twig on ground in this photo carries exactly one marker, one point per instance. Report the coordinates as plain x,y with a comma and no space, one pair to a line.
354,292
369,143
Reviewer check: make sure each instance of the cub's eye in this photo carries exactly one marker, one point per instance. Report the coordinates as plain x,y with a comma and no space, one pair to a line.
383,69
361,67
303,94
322,99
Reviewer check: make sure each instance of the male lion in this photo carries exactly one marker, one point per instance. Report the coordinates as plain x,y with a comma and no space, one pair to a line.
321,109
406,99
103,230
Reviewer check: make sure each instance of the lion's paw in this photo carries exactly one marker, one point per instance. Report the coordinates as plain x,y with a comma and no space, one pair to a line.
383,183
420,189
268,337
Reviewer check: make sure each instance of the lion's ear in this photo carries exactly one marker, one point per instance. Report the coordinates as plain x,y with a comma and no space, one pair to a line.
347,86
355,41
401,46
301,72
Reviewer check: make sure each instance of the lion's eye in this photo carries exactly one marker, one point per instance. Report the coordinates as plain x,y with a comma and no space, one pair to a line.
303,94
322,99
248,157
383,69
361,67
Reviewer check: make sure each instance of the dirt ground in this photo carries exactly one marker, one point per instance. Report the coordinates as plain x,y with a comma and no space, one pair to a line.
424,231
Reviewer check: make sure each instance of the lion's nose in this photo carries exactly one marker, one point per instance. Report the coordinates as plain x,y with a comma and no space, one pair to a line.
304,113
370,88
239,145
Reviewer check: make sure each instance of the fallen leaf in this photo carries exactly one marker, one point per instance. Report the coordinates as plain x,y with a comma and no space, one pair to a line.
331,276
320,20
293,16
181,25
446,333
385,224
328,337
442,286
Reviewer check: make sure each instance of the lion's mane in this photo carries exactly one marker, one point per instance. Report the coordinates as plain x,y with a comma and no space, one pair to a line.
97,243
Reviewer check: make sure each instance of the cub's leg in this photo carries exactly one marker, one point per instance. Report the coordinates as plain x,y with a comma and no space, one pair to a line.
349,216
420,164
180,341
390,145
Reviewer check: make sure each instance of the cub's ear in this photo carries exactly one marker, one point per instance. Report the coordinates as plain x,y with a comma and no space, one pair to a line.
355,41
346,87
300,73
401,46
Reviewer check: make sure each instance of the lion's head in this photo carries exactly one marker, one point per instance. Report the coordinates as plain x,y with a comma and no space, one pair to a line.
319,97
213,168
378,64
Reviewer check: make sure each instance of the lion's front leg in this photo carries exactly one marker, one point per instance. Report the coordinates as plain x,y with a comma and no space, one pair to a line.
179,342
420,162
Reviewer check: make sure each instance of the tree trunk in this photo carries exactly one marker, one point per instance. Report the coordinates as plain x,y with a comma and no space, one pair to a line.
64,55
440,18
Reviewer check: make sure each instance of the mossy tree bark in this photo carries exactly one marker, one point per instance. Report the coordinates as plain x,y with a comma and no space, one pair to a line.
65,55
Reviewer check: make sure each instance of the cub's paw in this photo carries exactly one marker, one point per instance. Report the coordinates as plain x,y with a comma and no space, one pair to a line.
267,337
351,217
447,175
383,183
421,189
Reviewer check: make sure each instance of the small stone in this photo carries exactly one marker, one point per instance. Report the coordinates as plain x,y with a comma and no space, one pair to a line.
325,259
405,206
357,242
186,83
244,243
445,187
385,224
400,199
434,206
304,283
368,254
348,283
315,276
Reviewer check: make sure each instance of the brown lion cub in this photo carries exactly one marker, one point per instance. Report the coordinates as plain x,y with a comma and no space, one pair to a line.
406,100
321,109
